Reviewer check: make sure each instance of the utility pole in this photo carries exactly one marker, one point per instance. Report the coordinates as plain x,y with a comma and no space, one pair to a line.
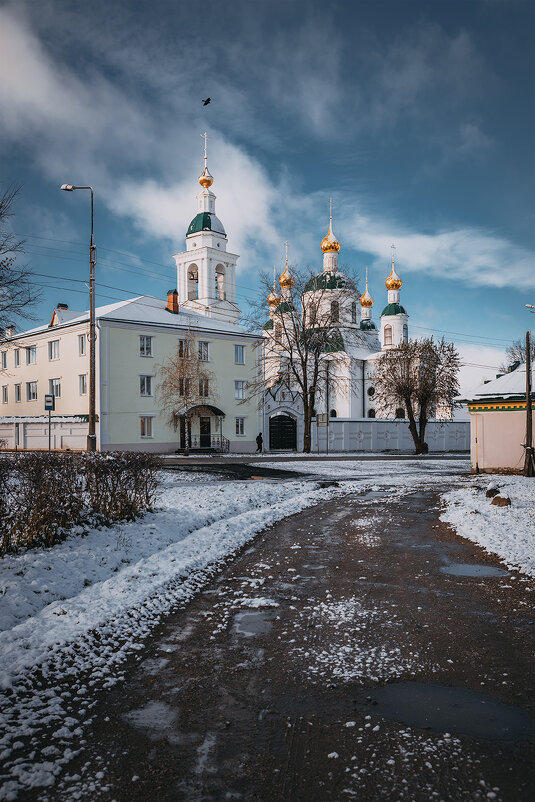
529,463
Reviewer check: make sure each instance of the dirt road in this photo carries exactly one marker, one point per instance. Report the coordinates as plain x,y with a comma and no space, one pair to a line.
345,655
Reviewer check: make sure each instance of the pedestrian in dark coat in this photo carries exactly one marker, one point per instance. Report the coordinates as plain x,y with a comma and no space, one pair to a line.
259,443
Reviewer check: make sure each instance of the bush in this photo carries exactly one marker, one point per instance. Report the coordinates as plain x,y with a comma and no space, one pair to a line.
42,496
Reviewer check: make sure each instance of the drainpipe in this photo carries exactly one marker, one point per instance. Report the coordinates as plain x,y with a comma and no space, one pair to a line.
363,398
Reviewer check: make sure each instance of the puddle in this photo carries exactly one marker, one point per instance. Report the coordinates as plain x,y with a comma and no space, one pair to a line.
470,569
250,624
454,710
155,719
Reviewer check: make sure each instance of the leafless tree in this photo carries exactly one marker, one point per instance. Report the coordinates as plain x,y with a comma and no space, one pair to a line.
184,383
17,295
517,353
421,375
303,338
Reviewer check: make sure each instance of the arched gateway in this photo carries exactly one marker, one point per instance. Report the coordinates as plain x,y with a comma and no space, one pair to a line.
282,433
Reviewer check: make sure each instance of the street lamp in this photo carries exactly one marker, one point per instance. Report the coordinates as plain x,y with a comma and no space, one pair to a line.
91,434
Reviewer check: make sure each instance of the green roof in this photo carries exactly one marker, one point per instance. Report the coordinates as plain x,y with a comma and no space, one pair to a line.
329,281
285,306
393,309
268,326
203,222
334,343
367,325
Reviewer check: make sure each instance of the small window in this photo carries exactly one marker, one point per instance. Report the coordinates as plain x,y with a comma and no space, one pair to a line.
4,394
239,354
54,387
278,332
400,412
240,426
371,413
239,390
183,387
17,357
31,391
82,344
353,312
17,393
145,345
203,388
405,333
145,385
3,361
335,312
82,383
334,414
53,349
31,355
181,348
388,335
203,351
371,391
145,424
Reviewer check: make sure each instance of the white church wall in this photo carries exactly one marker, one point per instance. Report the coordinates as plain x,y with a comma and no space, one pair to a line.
388,435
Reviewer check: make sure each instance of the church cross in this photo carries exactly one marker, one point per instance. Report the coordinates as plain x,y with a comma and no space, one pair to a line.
206,138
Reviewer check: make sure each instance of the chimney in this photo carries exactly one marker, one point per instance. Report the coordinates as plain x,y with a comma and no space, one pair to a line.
10,330
62,306
172,301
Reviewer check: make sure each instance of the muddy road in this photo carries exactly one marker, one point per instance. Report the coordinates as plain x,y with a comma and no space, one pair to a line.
358,650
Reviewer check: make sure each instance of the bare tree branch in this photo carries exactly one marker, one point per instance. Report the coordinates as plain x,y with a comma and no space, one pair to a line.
17,294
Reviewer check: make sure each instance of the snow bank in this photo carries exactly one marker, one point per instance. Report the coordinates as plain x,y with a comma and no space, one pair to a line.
508,532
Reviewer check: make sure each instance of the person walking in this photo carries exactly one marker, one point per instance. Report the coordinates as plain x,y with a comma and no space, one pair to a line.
259,443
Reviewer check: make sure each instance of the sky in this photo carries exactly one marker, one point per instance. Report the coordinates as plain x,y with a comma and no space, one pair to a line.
416,117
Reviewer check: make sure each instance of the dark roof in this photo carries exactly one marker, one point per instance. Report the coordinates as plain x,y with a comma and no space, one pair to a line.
393,309
368,325
268,325
203,222
329,281
285,306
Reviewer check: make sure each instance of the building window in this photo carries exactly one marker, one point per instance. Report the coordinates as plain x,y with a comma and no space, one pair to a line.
17,393
145,424
371,391
53,349
333,413
54,387
82,340
371,413
145,385
145,345
183,387
239,354
240,426
405,333
278,332
31,355
239,390
3,361
82,383
353,312
182,348
400,412
335,312
203,388
203,351
388,335
4,394
17,357
31,391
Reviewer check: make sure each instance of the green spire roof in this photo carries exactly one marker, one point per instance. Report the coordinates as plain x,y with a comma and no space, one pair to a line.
393,309
329,281
205,221
367,325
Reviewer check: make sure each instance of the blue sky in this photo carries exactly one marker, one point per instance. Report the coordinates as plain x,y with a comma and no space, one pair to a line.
416,117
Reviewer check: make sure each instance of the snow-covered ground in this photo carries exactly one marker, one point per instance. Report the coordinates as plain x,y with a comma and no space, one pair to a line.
508,532
406,471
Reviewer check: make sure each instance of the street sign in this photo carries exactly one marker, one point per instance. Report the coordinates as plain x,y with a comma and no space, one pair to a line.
49,403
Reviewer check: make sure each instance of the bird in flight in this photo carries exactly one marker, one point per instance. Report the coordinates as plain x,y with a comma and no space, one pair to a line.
207,101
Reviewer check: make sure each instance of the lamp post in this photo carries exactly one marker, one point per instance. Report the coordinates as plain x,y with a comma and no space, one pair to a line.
91,434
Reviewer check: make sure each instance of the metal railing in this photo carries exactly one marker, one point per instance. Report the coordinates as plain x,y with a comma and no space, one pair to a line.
214,442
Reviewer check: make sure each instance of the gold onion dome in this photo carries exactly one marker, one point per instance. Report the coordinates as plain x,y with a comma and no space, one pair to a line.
366,299
393,281
205,179
273,299
329,241
286,280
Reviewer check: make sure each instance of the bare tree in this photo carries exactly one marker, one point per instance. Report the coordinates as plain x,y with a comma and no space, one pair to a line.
421,375
516,353
184,383
302,338
17,295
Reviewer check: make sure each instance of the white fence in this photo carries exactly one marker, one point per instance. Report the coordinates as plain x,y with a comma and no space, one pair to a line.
32,433
375,434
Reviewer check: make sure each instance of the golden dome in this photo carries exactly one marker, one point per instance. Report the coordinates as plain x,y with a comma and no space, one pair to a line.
273,299
393,281
366,299
205,179
286,280
329,241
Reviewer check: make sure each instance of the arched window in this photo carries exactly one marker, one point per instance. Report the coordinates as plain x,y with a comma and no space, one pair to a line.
278,332
371,391
405,333
371,413
388,335
335,312
400,412
220,289
333,413
354,312
193,282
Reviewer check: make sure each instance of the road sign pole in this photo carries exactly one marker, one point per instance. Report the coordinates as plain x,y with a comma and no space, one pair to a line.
49,427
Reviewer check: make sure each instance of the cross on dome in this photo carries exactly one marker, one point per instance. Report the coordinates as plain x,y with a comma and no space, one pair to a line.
393,281
329,241
205,179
